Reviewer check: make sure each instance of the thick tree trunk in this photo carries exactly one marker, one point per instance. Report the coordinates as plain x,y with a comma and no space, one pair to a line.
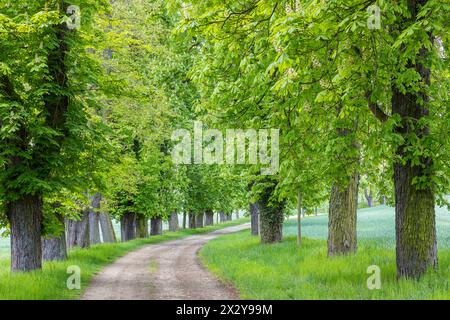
173,221
342,218
229,217
25,219
222,216
54,246
141,226
94,223
156,227
271,217
184,220
209,217
369,197
78,231
191,218
254,219
237,214
128,226
415,221
108,234
199,220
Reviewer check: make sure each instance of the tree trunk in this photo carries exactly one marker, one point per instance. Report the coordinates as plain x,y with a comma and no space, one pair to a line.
191,218
415,224
254,212
78,231
156,227
173,221
108,234
237,214
342,217
369,197
128,226
299,218
184,220
222,216
25,219
199,220
271,217
94,223
141,226
54,246
209,217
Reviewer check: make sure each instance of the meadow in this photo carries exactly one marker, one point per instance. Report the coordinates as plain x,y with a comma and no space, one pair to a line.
287,271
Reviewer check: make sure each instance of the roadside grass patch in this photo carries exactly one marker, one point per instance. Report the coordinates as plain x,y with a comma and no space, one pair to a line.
50,283
285,271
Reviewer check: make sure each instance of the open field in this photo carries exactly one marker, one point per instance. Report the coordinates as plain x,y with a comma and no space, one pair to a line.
285,271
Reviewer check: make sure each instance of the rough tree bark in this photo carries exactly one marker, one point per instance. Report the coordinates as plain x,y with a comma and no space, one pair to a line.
141,226
229,216
128,226
173,221
54,247
299,218
191,218
342,217
25,218
184,220
271,217
156,226
369,197
78,231
94,223
415,221
254,219
199,220
209,217
222,216
108,234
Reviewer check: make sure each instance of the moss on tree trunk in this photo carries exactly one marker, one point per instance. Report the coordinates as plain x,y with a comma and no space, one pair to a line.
271,212
342,217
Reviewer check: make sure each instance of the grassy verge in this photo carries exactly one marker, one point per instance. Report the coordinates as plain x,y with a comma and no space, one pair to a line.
284,271
50,282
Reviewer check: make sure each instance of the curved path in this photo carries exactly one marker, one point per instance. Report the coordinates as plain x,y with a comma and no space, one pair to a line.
169,270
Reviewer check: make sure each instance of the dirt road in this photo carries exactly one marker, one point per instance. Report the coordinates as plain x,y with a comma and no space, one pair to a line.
170,270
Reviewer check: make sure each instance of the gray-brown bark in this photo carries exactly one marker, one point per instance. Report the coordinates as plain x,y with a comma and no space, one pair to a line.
254,219
222,216
54,247
342,217
94,223
156,226
184,220
229,217
299,218
128,226
141,226
199,220
173,221
209,217
191,218
237,214
108,234
271,217
78,231
25,219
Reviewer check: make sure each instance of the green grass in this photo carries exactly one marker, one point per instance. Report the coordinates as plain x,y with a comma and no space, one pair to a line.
50,282
285,271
